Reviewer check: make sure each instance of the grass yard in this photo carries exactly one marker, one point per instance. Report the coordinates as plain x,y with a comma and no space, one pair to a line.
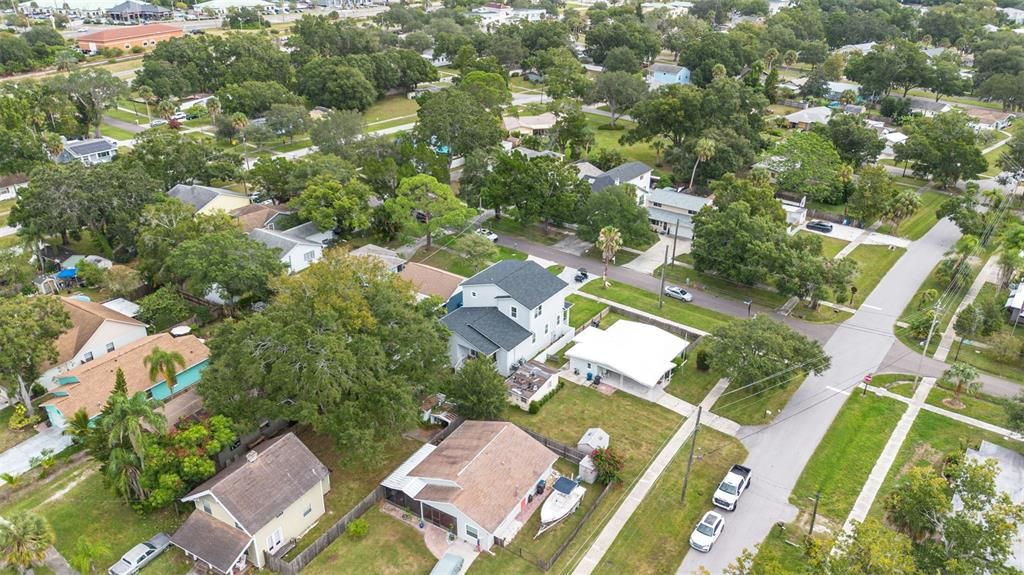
126,116
823,314
874,262
638,430
115,132
583,309
390,108
533,232
388,124
621,258
457,264
930,440
689,383
979,406
829,246
685,276
909,181
9,437
557,359
923,219
88,508
556,269
856,438
656,537
5,210
782,548
350,482
952,301
986,360
753,407
684,313
609,140
992,157
888,380
389,548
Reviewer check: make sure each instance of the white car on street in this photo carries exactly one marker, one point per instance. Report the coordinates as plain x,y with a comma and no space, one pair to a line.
707,531
678,293
487,234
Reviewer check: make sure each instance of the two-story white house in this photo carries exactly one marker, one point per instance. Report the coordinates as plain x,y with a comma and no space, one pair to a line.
666,207
300,247
95,331
509,312
636,174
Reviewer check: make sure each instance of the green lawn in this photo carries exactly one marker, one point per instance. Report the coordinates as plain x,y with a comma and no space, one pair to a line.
609,140
638,430
350,482
951,302
823,314
388,124
930,440
980,406
782,547
887,380
390,548
583,309
923,219
125,116
689,383
958,99
390,108
5,210
856,439
759,405
684,313
457,264
534,232
116,133
909,181
829,246
985,360
684,276
874,262
992,157
621,258
557,359
92,510
556,269
656,537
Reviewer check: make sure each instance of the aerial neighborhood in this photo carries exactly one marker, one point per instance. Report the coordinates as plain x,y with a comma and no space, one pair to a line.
610,287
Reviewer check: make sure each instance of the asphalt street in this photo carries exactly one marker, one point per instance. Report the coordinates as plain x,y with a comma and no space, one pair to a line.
779,452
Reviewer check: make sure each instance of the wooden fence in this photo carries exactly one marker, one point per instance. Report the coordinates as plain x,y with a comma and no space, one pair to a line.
309,553
562,450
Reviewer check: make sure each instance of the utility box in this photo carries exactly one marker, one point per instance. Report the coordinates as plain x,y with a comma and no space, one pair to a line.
588,471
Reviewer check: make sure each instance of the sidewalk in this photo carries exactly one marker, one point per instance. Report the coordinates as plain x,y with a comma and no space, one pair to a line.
639,490
989,272
17,459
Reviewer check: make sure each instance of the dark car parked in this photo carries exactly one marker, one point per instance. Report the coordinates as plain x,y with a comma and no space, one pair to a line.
819,226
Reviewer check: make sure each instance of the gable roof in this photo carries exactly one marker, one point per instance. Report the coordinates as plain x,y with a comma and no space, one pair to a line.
254,492
199,196
619,175
486,328
816,115
136,7
430,280
670,69
128,32
493,464
254,216
86,318
524,281
280,240
681,200
95,379
212,541
79,148
390,258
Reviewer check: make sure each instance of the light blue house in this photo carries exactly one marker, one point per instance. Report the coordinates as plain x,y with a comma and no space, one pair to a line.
666,74
88,386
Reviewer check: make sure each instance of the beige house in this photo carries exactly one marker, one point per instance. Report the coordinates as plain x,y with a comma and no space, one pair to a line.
207,200
255,506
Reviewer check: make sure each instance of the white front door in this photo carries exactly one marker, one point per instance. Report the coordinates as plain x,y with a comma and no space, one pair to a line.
274,541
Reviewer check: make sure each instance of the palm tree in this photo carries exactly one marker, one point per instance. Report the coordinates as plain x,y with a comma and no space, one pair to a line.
165,363
78,426
965,248
705,150
965,378
126,420
903,205
609,240
213,107
769,58
86,554
123,471
24,539
147,95
789,58
165,109
65,60
928,296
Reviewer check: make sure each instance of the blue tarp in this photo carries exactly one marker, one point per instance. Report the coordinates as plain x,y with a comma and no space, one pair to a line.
67,274
565,485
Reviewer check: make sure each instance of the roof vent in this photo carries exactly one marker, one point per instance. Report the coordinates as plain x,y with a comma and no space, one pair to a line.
251,456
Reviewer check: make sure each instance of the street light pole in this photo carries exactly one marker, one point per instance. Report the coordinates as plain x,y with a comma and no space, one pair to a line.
689,462
661,292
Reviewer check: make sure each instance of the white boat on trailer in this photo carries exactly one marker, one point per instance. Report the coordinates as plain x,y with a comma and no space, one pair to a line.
564,499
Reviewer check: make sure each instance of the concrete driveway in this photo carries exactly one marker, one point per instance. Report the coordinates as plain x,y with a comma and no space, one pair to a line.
17,460
649,261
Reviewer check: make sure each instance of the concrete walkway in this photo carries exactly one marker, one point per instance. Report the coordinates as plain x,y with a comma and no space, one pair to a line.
57,563
888,456
17,460
649,261
686,409
989,272
640,489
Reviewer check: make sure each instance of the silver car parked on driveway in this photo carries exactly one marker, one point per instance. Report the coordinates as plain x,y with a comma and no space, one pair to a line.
141,555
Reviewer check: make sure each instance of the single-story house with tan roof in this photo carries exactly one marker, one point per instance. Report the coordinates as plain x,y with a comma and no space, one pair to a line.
475,483
255,506
255,216
431,281
538,124
95,331
88,386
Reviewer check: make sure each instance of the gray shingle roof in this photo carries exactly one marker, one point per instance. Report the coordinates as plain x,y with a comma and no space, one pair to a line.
273,239
213,541
619,174
672,198
486,328
88,147
198,196
135,7
666,68
524,281
254,492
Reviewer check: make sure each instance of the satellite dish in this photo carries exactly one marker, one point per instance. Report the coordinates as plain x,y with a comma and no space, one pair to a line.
180,331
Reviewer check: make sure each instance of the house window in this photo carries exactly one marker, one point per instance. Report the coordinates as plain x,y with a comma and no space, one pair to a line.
308,510
538,311
558,320
545,328
206,507
110,347
309,256
656,204
588,365
534,340
515,311
149,393
472,293
471,532
87,357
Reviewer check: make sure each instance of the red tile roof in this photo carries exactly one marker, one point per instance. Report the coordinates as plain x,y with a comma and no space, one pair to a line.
128,33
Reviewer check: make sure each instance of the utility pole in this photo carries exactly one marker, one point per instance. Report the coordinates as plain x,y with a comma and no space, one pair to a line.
814,514
675,238
661,292
689,463
928,341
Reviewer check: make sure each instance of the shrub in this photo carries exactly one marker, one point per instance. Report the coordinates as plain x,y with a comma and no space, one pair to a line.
536,405
138,49
21,419
358,528
703,360
163,308
37,390
609,465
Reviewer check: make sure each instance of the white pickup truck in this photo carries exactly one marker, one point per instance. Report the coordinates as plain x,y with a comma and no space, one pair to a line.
729,490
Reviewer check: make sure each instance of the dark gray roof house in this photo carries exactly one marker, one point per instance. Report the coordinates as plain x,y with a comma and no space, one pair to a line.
623,174
486,328
136,10
524,281
94,151
199,196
